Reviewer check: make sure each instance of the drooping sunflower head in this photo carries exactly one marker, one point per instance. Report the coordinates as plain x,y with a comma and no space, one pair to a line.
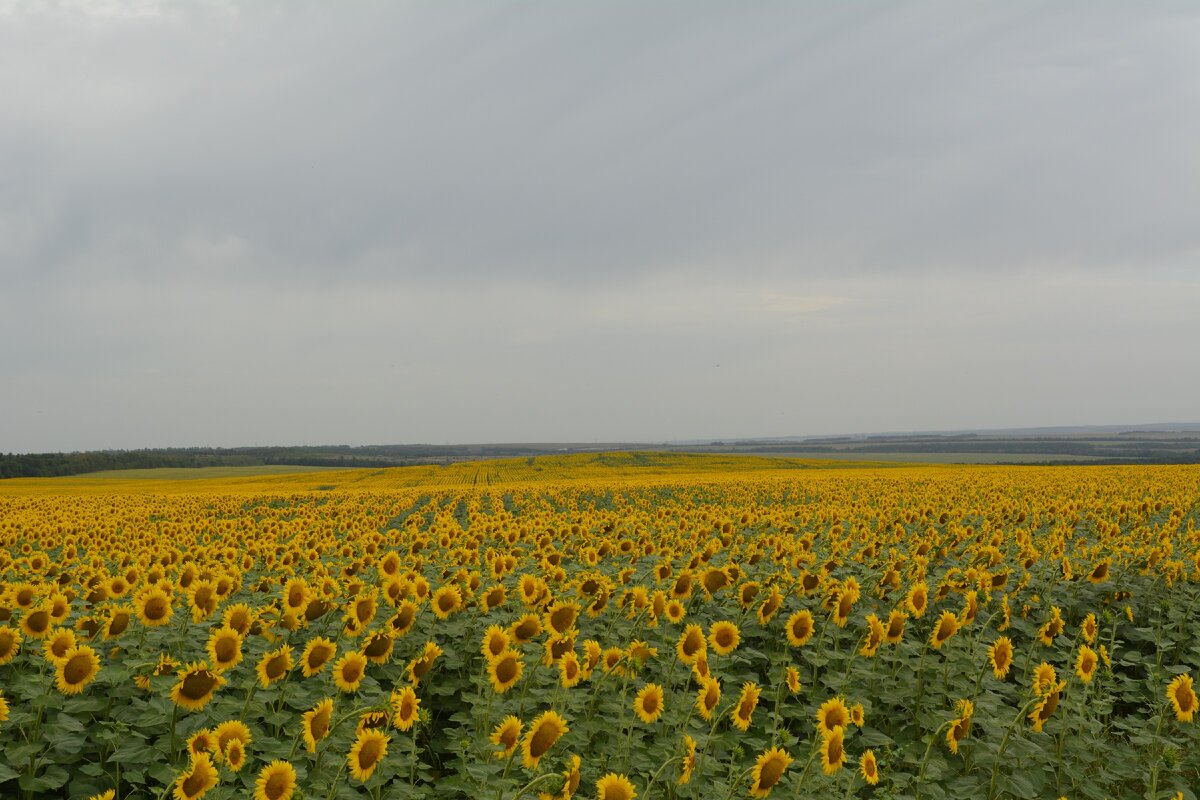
316,722
200,777
869,768
542,734
561,617
10,643
506,736
947,626
377,647
691,643
1000,654
708,697
368,750
527,627
1085,663
768,770
833,754
747,702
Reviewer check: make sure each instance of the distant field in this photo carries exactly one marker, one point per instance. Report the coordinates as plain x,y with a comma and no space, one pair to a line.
937,458
197,473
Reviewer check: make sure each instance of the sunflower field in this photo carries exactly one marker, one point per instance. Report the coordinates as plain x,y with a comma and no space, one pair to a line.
604,626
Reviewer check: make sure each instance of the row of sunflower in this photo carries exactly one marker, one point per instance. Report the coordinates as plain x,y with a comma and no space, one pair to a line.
892,631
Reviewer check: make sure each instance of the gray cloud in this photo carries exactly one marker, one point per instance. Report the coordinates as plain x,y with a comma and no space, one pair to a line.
254,222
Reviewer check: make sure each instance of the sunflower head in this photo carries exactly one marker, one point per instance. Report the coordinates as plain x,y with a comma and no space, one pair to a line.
543,732
768,770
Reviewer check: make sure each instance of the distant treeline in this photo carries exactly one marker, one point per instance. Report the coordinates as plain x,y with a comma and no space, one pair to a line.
48,465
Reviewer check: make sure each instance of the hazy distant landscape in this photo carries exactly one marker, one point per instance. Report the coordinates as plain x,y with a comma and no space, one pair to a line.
1150,444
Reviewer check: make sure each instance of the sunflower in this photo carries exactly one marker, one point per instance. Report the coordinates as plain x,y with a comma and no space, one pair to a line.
1088,628
493,598
153,607
36,622
649,703
561,617
202,741
1086,663
200,777
875,634
58,643
505,670
724,637
10,643
527,627
961,726
349,671
869,768
569,670
689,760
1046,707
405,707
832,714
76,669
367,751
108,795
1045,678
1000,656
708,697
315,723
419,667
406,614
746,703
372,719
377,647
793,680
917,600
614,787
276,781
4,709
768,770
495,642
317,653
1099,573
542,734
446,600
675,611
833,754
231,731
947,626
239,617
506,736
691,644
800,628
234,755
1182,697
274,665
225,648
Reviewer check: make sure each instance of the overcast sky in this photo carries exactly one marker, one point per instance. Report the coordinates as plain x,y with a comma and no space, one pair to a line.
285,223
